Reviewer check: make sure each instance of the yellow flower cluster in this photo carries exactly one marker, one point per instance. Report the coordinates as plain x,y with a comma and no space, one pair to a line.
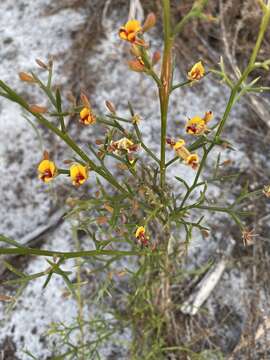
132,32
47,170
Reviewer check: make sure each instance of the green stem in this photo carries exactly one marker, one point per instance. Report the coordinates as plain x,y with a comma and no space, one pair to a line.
65,255
174,87
195,12
165,88
139,136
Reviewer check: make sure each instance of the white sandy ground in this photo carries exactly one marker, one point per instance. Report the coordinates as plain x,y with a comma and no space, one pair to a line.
25,35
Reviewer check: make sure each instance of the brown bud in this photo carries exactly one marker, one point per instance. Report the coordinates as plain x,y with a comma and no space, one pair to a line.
99,142
121,273
170,141
6,298
65,294
71,98
122,166
46,155
149,22
38,109
110,106
26,77
205,233
68,161
108,208
101,154
42,64
136,65
71,201
156,57
226,162
85,100
135,206
102,220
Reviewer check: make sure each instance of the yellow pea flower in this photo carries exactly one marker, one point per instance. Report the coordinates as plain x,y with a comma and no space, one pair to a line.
87,117
196,72
47,170
78,174
184,154
130,30
179,144
193,161
140,234
196,126
181,150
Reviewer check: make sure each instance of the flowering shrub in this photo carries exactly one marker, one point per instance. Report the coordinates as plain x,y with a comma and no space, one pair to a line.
136,214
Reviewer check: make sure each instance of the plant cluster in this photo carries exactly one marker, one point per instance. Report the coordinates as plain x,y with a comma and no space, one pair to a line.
138,212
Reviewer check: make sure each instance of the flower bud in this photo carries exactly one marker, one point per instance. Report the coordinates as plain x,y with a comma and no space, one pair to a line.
156,57
136,65
135,51
84,100
101,220
149,22
110,106
26,77
266,191
41,64
99,142
46,155
38,109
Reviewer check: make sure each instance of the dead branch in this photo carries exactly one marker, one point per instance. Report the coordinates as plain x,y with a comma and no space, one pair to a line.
204,289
